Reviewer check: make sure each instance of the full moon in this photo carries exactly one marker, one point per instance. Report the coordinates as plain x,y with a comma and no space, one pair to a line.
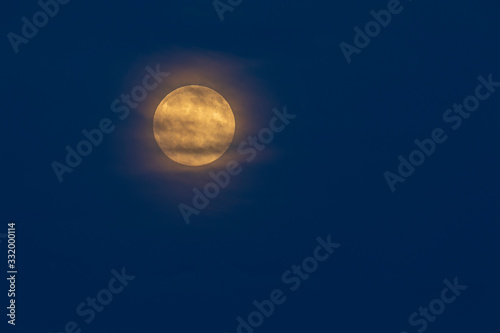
194,125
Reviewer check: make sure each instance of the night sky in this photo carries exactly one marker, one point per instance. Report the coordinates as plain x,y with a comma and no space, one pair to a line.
400,241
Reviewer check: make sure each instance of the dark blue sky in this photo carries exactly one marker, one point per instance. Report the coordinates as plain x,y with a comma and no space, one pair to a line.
323,175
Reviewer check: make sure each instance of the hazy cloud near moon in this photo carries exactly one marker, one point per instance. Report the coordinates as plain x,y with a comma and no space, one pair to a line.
251,99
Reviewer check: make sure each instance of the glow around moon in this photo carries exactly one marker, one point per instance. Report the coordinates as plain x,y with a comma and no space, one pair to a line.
194,125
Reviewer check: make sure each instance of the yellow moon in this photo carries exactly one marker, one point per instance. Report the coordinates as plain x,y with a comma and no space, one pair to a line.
194,125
